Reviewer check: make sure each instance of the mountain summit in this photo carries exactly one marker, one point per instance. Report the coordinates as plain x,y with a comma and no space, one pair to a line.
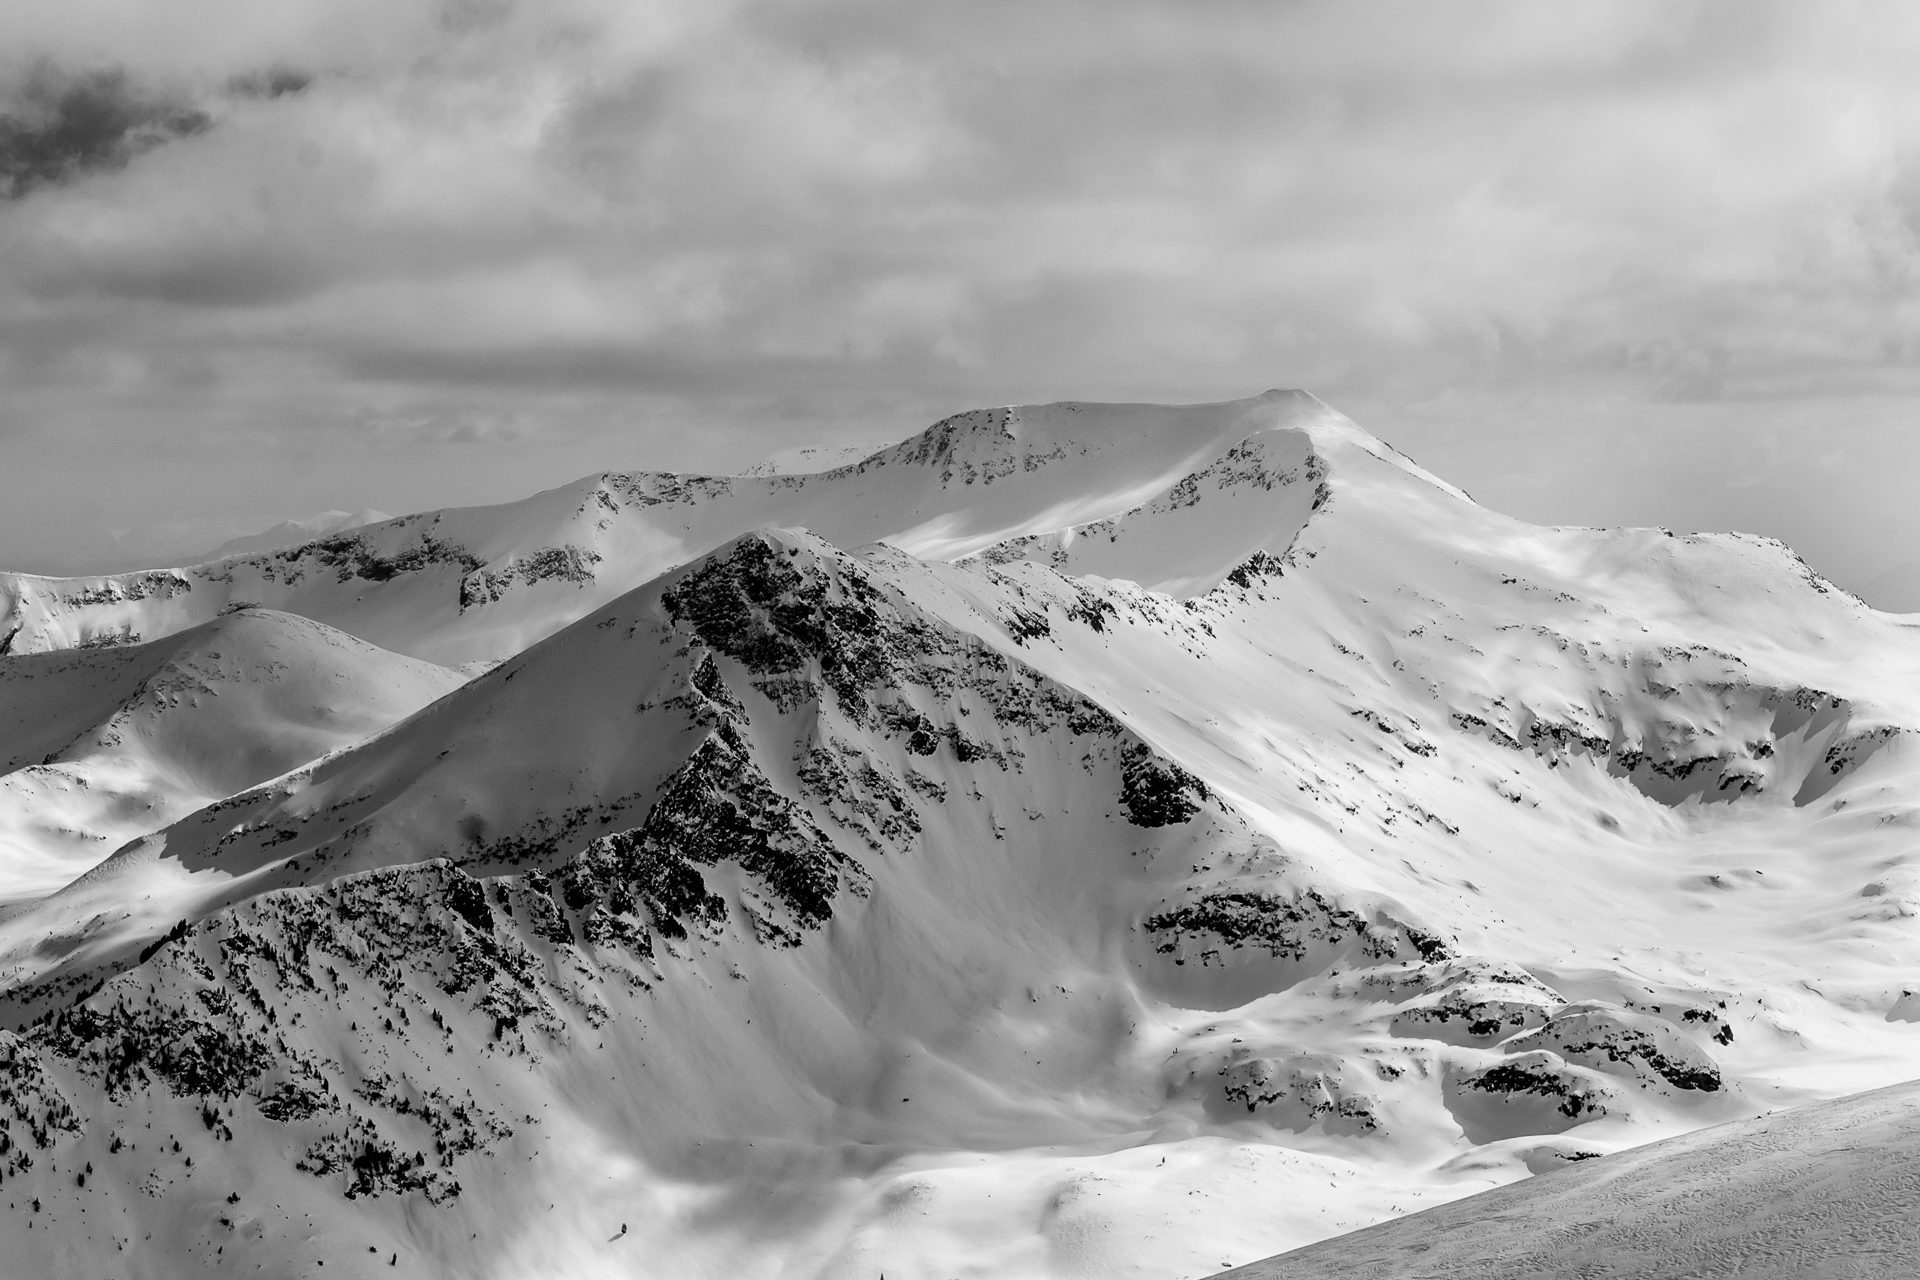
1079,839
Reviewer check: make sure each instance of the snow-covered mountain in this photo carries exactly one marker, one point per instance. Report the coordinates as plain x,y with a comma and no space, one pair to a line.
1119,840
101,745
476,583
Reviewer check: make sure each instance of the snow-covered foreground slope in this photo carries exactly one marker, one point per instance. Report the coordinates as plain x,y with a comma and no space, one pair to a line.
1831,1189
961,907
99,746
477,583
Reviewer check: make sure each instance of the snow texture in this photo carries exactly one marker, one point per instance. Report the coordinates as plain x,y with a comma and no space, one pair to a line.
1831,1189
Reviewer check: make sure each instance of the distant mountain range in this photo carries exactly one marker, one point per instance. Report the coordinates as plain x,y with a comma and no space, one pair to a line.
1077,840
291,533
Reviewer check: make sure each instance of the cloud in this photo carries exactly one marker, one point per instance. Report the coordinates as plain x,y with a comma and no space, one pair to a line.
831,217
275,82
58,125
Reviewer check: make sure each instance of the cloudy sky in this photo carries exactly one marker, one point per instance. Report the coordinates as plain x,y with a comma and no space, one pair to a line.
1608,263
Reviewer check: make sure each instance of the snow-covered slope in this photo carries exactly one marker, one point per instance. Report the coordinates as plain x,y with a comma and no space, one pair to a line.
99,746
483,582
1295,845
809,460
1831,1189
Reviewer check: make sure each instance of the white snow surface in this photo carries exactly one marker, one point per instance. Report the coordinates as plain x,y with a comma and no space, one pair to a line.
809,459
100,746
1108,840
1830,1189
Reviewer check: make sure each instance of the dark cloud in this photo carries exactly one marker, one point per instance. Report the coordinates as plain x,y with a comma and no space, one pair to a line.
275,82
205,280
62,124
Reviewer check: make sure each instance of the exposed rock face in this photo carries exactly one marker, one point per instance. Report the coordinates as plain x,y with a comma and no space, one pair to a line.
1638,1046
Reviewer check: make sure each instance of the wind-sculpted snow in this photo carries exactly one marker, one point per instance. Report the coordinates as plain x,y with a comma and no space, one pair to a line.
968,903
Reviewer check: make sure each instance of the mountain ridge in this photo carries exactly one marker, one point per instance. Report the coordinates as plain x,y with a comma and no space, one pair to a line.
464,584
